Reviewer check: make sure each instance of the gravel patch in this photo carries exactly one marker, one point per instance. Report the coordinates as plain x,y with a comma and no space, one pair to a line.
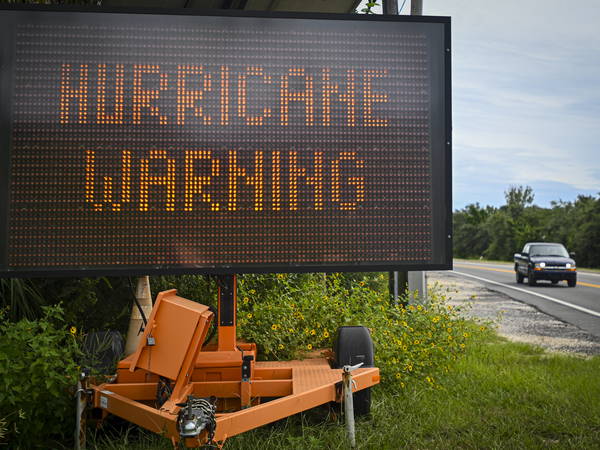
515,320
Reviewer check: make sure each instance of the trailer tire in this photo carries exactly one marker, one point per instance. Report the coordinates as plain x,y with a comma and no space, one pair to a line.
353,345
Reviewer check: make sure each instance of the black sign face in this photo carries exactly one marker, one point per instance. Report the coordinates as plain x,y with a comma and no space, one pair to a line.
150,143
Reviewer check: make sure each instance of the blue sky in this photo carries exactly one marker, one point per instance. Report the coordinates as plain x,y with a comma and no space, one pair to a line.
526,97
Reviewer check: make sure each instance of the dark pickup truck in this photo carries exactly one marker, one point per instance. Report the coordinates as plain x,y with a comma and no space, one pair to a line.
545,261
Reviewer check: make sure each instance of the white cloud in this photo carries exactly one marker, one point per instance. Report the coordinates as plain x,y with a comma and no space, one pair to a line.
525,97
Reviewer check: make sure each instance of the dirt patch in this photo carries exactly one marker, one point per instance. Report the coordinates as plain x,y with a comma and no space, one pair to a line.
516,321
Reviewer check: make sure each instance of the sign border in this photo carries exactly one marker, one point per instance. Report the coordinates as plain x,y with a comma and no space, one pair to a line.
236,268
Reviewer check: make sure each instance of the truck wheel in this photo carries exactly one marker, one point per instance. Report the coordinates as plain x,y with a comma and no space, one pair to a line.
519,277
530,278
353,345
572,283
554,281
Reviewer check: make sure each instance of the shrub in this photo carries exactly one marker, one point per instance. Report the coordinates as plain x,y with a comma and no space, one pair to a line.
37,368
20,297
289,315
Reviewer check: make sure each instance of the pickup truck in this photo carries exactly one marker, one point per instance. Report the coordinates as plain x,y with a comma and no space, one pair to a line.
545,261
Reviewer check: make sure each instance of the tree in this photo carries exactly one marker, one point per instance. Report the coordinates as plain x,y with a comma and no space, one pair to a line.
470,236
517,199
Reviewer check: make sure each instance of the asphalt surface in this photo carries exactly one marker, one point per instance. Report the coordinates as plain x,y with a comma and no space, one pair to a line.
579,306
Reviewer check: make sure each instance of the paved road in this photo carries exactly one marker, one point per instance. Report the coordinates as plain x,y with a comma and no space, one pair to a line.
579,306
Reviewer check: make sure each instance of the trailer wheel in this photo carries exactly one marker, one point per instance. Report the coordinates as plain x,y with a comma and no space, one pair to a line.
353,345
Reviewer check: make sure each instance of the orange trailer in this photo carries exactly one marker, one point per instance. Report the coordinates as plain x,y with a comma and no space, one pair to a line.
196,394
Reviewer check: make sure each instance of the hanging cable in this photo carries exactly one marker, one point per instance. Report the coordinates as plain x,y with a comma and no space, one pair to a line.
137,303
400,10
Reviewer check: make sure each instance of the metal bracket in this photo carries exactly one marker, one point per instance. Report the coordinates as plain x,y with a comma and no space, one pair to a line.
226,301
247,367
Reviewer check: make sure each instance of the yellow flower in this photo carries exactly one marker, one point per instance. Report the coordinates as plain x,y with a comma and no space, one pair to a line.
252,291
481,328
449,338
291,330
402,385
398,375
420,308
281,276
326,334
362,283
73,330
273,327
411,307
309,346
246,300
249,315
313,332
417,342
436,319
462,346
429,380
466,335
280,346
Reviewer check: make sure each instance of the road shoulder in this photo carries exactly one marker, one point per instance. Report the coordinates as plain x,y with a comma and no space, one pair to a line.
515,320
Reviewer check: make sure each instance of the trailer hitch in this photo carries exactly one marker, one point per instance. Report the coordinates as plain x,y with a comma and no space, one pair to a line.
195,416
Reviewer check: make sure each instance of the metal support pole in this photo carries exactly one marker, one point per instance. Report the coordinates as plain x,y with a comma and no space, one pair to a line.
80,403
417,281
398,283
398,280
390,7
347,385
416,7
226,333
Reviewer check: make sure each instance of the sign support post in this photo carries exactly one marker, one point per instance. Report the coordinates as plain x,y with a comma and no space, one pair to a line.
417,281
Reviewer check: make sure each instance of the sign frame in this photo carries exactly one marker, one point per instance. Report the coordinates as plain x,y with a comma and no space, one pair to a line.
445,198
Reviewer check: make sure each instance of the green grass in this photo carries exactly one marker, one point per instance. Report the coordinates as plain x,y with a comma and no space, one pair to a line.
500,395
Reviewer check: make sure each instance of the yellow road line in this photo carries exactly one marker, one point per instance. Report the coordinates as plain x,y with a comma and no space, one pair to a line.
473,266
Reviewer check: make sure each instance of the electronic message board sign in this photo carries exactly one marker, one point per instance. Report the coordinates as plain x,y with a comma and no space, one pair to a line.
153,142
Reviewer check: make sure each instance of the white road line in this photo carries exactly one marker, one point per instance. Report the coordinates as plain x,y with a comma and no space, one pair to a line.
483,264
552,299
510,266
588,274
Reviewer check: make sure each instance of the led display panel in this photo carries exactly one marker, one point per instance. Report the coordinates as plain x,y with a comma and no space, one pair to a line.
147,142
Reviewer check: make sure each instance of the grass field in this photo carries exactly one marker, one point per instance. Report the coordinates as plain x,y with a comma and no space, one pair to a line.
500,395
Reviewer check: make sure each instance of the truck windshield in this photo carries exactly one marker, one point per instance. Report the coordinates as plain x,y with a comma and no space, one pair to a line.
548,250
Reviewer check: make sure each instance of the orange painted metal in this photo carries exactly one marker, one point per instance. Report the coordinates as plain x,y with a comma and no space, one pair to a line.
170,352
179,327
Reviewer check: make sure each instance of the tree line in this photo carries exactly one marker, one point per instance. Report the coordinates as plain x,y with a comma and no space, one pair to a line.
497,233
